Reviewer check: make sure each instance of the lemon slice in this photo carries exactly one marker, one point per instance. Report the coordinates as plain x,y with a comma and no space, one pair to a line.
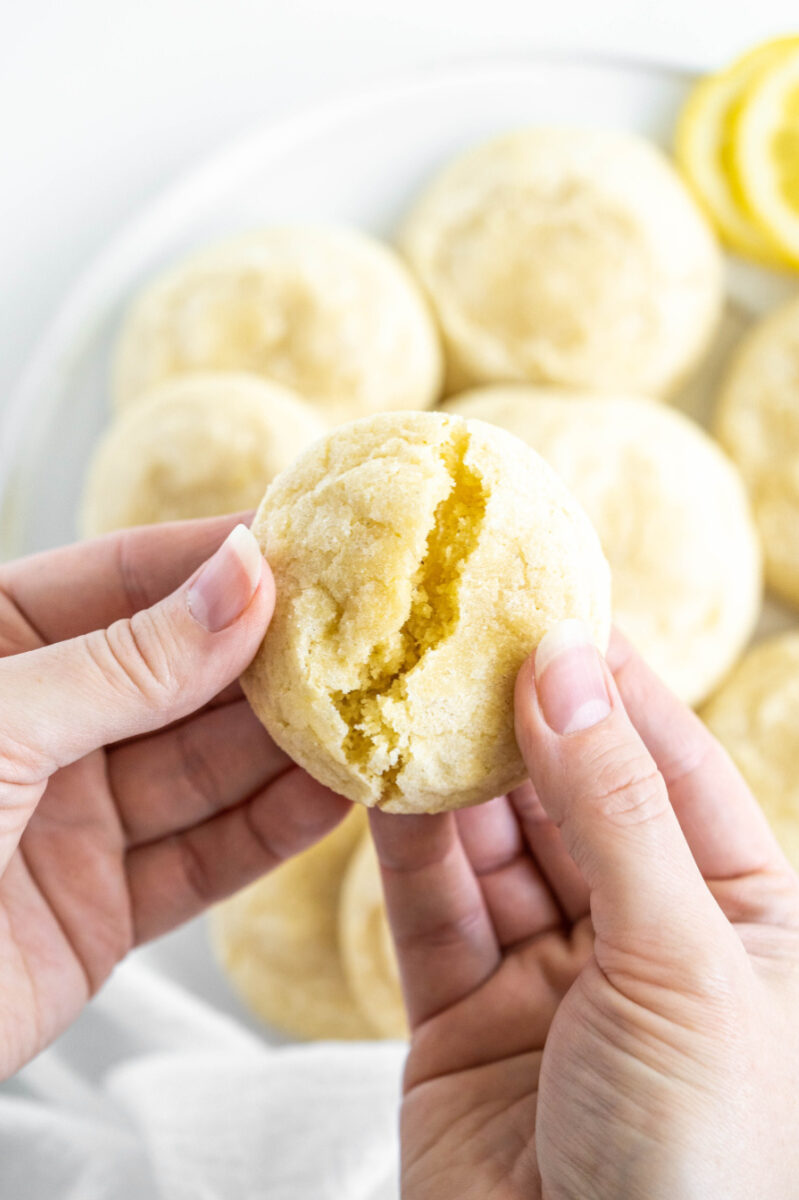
766,151
704,148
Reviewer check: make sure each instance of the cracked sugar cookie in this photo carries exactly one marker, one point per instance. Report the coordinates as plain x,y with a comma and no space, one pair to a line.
199,446
671,513
568,256
277,941
367,949
419,558
331,313
757,421
755,716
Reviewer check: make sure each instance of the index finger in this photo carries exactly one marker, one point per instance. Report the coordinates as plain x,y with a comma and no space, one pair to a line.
445,941
70,591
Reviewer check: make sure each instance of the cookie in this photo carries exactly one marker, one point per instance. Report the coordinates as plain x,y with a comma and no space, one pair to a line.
277,941
757,421
198,446
566,256
331,313
418,559
671,513
755,715
367,949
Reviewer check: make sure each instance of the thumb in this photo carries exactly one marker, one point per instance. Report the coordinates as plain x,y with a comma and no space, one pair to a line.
69,698
599,784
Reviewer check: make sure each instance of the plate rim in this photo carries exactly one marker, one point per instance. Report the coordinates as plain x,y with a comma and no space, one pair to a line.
77,310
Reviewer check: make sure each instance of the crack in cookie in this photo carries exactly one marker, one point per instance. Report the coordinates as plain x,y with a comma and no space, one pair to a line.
373,741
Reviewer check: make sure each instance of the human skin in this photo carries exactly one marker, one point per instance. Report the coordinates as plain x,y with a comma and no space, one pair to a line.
602,970
136,786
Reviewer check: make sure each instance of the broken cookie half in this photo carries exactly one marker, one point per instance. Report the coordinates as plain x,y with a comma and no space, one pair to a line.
419,558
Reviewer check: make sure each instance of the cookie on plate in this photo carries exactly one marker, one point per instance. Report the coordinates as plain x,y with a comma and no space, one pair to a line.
277,941
755,715
367,949
418,559
671,513
757,421
198,446
567,256
331,313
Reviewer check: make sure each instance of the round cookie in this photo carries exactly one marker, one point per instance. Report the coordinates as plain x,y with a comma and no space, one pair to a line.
755,716
277,941
567,256
757,421
670,511
198,446
331,313
367,949
418,559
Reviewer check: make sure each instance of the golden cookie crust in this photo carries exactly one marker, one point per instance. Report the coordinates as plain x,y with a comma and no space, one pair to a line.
568,256
198,446
757,421
332,313
671,513
418,559
755,716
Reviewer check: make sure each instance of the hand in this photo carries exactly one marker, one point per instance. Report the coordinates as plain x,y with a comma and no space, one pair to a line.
655,1057
103,847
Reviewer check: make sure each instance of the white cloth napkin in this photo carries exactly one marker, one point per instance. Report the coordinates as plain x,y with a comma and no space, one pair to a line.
155,1095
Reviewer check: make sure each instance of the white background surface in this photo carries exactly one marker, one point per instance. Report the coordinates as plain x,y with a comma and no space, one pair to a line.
103,102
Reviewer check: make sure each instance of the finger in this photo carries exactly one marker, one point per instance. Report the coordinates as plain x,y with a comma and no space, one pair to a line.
142,672
720,818
546,845
768,898
522,1000
446,944
182,776
519,901
66,592
176,878
233,691
599,784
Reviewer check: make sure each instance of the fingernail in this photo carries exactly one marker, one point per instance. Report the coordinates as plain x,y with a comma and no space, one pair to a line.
227,582
569,679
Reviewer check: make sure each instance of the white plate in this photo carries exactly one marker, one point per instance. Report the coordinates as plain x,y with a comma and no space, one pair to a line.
359,162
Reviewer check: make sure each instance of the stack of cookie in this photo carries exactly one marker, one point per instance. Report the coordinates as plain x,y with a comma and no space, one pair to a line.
236,359
552,292
755,713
